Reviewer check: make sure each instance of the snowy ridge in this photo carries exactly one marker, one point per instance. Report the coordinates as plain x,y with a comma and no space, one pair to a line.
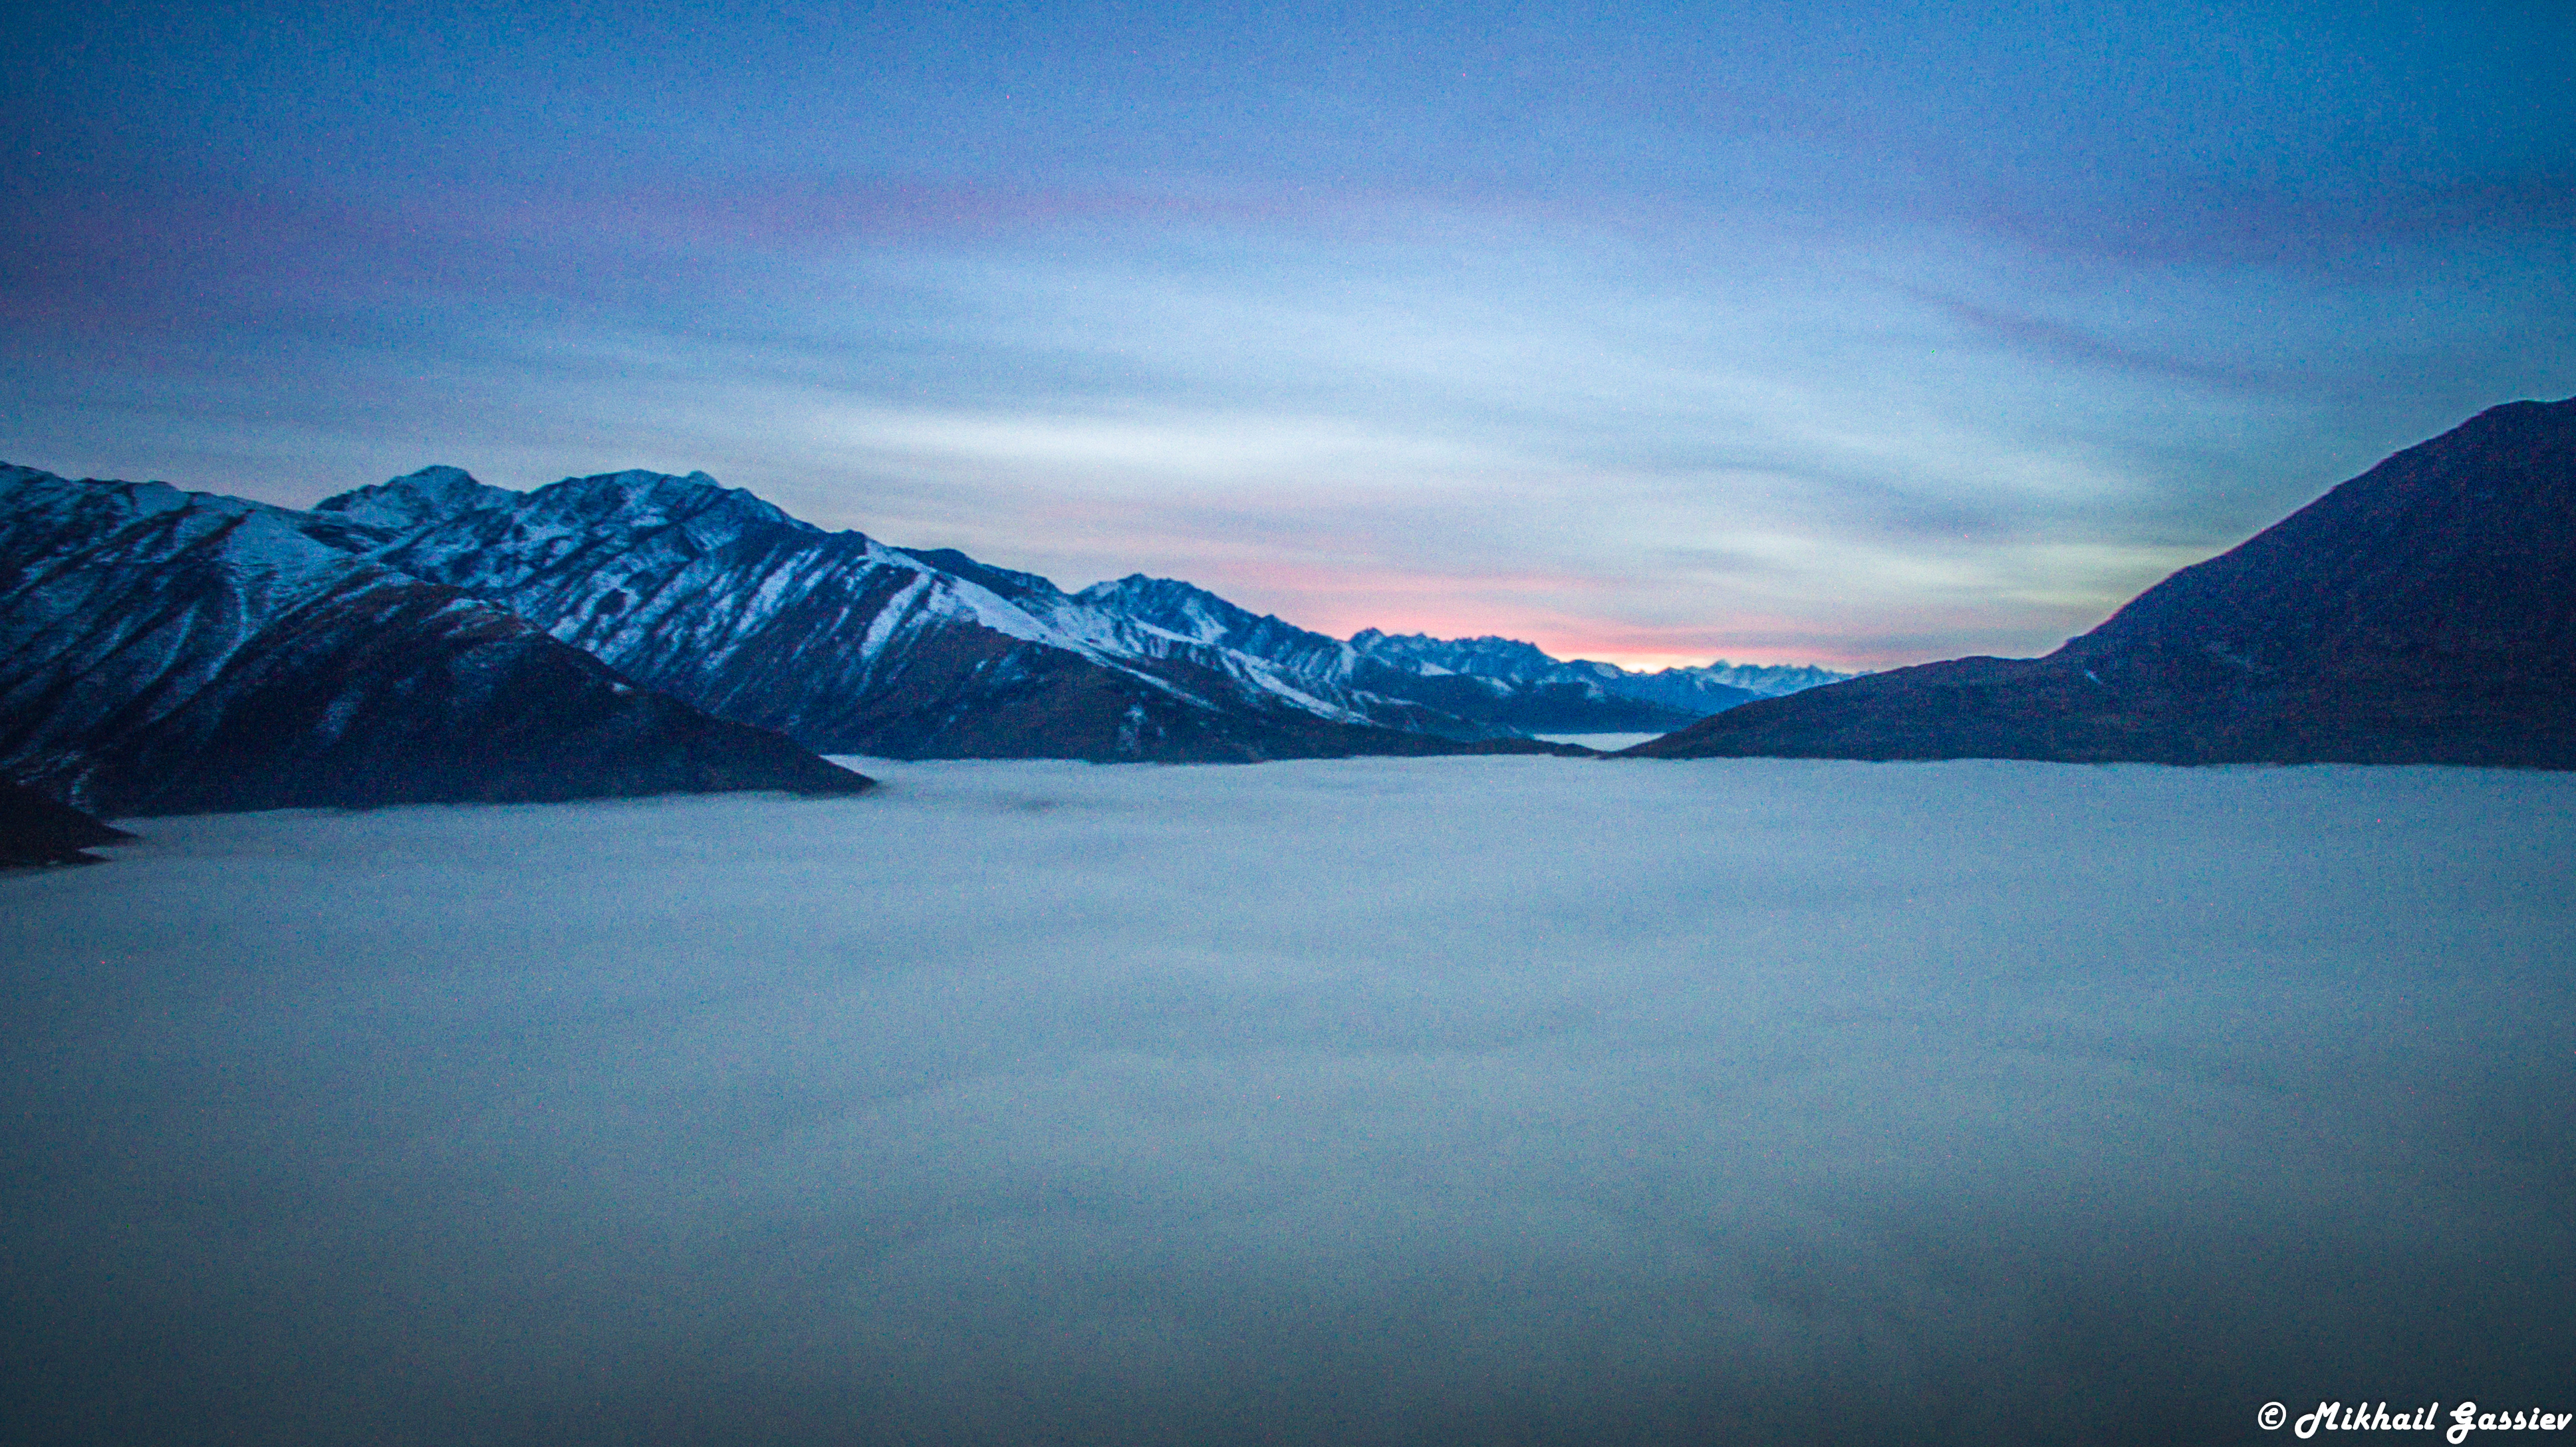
1162,618
1694,692
1762,680
851,646
846,645
127,601
832,638
1389,685
163,651
1485,657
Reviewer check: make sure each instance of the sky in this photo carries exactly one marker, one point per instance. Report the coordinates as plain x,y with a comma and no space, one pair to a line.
1853,334
1331,1103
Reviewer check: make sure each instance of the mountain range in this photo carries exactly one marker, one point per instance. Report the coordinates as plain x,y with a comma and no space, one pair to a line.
434,638
851,646
1663,699
437,638
169,652
2423,612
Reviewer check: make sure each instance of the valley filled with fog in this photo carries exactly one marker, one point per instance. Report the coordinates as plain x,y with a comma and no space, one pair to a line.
1438,1100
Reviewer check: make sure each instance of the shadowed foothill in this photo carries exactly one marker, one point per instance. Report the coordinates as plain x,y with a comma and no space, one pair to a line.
36,830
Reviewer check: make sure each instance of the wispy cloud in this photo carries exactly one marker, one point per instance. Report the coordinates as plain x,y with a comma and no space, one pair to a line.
1904,335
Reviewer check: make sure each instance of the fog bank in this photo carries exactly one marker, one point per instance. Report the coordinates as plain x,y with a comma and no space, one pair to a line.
1431,1101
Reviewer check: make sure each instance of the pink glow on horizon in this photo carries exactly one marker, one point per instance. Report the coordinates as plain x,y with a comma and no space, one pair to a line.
1529,606
1343,581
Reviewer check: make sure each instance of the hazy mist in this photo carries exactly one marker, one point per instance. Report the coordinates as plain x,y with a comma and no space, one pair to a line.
1458,1100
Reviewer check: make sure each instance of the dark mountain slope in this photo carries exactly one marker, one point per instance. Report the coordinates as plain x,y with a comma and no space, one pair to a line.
36,830
2423,612
168,652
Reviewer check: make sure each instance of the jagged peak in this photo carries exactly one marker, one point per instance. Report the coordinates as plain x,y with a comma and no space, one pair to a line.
1174,605
440,477
644,496
1486,651
417,497
1424,640
1143,583
138,499
632,494
1006,582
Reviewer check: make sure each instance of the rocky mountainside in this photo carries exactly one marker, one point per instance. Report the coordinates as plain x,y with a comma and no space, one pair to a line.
1487,656
1390,684
849,646
167,652
434,637
2423,612
1172,621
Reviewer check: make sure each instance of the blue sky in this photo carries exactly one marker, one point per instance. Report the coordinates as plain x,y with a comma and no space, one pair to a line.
1856,333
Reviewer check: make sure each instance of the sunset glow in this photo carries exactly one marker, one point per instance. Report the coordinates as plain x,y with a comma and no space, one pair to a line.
1861,335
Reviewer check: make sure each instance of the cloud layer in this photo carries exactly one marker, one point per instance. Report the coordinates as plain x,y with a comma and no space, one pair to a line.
1859,333
1461,1100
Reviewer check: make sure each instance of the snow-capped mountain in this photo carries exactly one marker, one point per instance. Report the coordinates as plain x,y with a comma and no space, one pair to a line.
850,646
1762,680
1490,680
165,652
1390,686
167,641
1711,688
1171,621
1149,613
1680,694
1483,657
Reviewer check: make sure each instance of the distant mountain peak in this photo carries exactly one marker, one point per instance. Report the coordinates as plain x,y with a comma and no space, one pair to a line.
634,498
1176,607
417,497
1143,585
1488,655
639,496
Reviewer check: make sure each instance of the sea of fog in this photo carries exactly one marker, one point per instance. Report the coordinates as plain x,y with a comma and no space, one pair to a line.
1488,1100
